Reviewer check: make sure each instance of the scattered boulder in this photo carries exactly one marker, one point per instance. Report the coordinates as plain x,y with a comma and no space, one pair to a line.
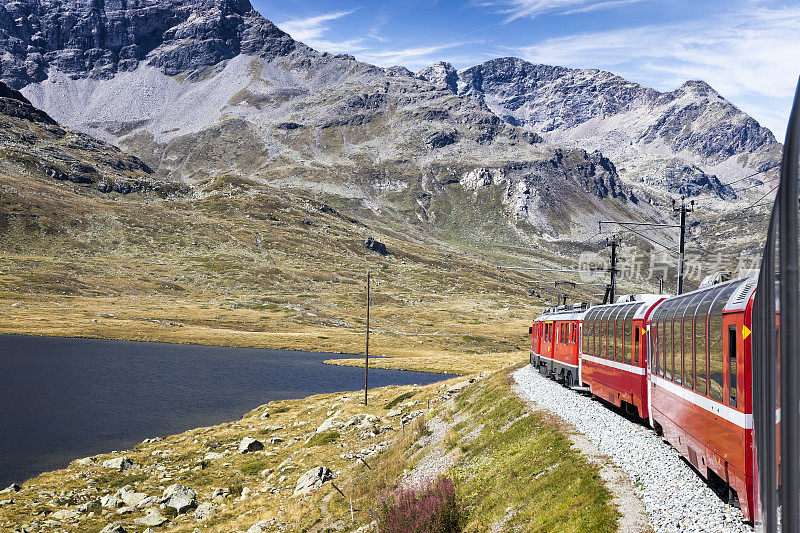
249,444
331,423
313,479
86,461
180,498
111,501
152,517
65,514
276,440
12,488
119,463
204,511
375,246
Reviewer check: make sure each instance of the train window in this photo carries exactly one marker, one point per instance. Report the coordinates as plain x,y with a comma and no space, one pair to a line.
662,337
629,325
618,333
716,365
608,331
675,344
669,354
686,331
636,345
701,342
732,385
617,322
626,324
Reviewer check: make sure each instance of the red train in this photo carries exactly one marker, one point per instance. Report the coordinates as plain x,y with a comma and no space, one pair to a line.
682,363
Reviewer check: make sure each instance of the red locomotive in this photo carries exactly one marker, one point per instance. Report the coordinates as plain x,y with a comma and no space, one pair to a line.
682,363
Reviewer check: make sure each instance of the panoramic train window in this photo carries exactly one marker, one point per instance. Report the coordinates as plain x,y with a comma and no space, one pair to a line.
716,365
732,385
604,334
675,343
662,337
618,332
669,352
628,325
688,337
701,342
636,345
591,332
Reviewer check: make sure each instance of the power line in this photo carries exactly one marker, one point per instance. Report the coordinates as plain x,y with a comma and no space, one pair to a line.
754,174
767,194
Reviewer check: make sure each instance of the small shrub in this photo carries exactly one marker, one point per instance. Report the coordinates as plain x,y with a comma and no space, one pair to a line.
169,512
431,508
236,490
404,396
251,469
321,439
421,429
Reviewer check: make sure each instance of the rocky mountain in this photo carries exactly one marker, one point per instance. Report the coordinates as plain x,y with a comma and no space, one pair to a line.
196,88
34,147
687,141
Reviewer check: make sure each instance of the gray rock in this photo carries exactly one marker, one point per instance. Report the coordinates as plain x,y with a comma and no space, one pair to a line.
249,444
65,514
204,511
12,488
119,463
152,517
312,479
375,246
180,498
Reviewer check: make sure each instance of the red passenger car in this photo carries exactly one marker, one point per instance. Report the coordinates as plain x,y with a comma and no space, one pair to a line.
699,382
555,337
613,358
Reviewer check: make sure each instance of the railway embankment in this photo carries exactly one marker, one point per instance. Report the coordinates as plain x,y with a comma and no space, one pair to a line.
675,497
322,464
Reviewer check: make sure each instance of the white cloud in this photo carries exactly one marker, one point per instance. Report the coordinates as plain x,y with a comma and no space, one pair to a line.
750,57
311,28
515,9
412,58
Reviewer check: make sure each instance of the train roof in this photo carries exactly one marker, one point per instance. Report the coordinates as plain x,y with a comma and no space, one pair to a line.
743,289
642,302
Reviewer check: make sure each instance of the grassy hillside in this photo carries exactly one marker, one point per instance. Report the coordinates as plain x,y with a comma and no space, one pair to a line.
508,463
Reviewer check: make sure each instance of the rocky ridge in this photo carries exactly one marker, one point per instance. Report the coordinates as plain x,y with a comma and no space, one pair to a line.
196,88
32,144
664,140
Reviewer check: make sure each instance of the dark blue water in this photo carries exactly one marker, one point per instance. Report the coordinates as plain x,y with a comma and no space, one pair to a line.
62,398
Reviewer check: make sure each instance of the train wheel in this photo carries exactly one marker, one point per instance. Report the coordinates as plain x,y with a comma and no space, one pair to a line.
569,378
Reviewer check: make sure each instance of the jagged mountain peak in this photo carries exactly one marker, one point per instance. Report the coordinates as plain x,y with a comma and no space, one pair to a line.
442,75
87,38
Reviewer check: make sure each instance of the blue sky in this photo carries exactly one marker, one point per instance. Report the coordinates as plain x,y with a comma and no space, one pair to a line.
749,50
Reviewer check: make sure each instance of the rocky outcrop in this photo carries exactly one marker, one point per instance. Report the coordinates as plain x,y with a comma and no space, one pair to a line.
642,130
98,39
313,479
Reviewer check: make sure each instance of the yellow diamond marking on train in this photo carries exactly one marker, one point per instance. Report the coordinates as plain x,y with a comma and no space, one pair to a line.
745,332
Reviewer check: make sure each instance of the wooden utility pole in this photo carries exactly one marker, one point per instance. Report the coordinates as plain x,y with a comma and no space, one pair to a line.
366,359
